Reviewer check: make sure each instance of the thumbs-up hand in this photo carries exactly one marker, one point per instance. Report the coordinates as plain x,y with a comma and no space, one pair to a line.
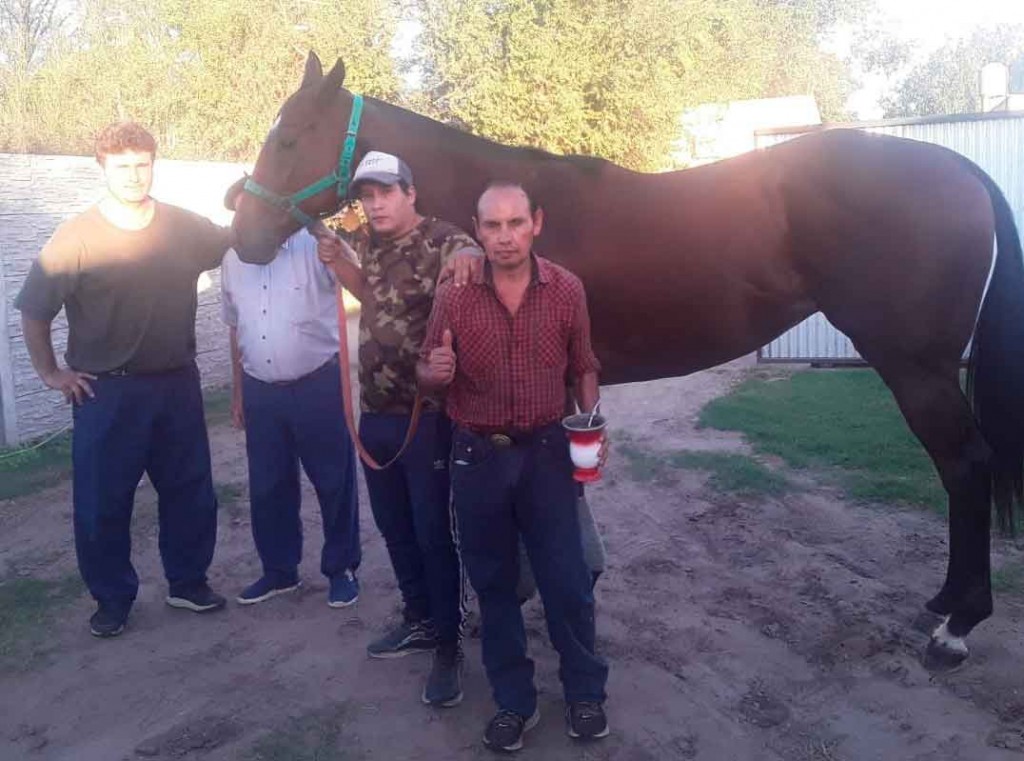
441,362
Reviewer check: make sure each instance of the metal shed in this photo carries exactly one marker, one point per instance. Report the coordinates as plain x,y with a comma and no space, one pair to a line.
994,141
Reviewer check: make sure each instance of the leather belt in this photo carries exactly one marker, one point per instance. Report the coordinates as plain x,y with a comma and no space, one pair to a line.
503,438
124,372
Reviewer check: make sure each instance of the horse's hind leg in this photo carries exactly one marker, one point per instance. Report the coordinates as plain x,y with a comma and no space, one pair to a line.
939,415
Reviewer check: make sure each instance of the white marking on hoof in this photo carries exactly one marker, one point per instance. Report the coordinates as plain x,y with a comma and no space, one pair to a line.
949,643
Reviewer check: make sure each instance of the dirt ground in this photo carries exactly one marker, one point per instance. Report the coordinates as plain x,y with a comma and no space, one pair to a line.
735,628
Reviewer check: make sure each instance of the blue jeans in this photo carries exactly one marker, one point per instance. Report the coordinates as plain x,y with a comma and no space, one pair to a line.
287,424
411,506
142,424
502,493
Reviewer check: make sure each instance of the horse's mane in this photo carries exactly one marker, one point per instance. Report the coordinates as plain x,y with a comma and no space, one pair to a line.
467,142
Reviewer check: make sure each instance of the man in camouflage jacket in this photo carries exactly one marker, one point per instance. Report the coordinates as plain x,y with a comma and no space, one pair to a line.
395,281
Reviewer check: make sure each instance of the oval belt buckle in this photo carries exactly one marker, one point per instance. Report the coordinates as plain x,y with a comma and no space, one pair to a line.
501,440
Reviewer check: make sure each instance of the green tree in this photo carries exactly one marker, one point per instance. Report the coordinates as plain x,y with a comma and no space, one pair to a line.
26,27
207,76
948,81
611,77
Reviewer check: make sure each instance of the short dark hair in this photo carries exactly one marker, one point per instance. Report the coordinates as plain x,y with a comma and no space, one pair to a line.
507,185
121,137
354,192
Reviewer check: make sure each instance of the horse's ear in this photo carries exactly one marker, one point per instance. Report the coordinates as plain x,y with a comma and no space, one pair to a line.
232,194
314,71
334,80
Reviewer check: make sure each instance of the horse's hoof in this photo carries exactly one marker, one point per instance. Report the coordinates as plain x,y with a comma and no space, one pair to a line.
926,621
945,652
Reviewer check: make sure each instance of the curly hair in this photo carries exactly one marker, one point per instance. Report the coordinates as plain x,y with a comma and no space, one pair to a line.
121,137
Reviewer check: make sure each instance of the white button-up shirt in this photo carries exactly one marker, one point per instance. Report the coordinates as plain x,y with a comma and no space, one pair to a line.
285,312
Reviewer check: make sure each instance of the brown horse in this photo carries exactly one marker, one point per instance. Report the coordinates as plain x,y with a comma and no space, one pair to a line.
907,248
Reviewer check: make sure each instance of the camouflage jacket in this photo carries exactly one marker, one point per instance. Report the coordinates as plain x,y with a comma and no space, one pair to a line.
401,276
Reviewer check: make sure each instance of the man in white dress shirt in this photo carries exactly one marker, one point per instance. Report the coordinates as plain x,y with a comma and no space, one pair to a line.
283,323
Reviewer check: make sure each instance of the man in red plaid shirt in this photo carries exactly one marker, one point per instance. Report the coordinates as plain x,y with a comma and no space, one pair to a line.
503,346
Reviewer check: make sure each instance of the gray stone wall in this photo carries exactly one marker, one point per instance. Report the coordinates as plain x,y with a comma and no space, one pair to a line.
37,193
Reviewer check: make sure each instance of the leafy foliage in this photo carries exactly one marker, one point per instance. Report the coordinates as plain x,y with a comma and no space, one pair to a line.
207,76
947,82
604,77
611,77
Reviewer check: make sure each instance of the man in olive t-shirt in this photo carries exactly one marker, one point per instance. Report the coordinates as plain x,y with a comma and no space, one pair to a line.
125,271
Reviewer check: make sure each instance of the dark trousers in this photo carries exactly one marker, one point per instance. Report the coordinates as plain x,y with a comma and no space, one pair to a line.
502,493
142,424
287,424
411,506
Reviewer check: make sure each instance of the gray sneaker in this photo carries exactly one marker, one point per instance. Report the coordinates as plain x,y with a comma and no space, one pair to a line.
405,639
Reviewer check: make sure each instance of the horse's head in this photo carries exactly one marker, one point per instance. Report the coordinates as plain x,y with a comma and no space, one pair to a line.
301,149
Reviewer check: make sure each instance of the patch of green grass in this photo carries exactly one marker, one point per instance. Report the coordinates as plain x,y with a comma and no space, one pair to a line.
217,403
228,494
644,464
25,470
734,473
27,608
730,472
844,420
229,497
1009,578
312,737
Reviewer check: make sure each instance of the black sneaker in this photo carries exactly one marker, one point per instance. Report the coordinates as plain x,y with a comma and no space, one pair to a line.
586,721
198,598
505,731
405,639
107,622
444,685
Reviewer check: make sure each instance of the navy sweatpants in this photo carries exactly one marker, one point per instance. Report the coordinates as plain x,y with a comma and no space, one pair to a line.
502,493
411,506
287,424
139,424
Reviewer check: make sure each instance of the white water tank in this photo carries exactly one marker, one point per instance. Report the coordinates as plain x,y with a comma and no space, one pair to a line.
995,87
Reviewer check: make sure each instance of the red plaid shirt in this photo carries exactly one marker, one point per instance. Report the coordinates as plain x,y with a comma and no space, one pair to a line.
511,371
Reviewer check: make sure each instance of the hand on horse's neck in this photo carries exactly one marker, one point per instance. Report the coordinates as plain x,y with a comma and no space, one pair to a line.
134,216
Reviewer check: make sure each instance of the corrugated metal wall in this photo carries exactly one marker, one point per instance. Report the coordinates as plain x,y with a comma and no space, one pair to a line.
993,142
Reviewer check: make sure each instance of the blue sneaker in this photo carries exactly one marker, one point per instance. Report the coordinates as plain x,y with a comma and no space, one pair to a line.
344,590
264,588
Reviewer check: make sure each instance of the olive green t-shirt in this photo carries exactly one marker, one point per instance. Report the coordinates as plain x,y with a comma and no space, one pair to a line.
130,295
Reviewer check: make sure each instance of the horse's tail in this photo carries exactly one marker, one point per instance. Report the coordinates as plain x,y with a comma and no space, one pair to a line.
995,374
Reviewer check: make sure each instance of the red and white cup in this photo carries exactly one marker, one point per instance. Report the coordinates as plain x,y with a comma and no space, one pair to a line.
585,438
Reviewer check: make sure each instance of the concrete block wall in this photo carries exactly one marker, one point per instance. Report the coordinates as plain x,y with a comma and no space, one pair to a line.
37,193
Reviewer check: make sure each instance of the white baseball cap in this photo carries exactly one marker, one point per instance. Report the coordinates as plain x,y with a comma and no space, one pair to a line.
384,168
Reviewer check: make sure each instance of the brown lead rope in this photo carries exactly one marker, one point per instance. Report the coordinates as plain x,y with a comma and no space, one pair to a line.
346,396
350,220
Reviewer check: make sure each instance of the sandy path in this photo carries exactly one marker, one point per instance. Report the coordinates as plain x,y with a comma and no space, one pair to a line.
736,629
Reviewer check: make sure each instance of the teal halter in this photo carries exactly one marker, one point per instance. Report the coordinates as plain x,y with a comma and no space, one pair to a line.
342,176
